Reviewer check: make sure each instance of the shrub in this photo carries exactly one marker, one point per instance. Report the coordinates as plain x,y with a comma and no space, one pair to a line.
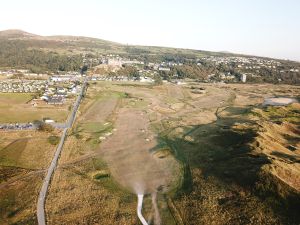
53,140
46,127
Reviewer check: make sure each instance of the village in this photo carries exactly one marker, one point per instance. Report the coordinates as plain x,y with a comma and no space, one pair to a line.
54,88
232,69
42,97
252,65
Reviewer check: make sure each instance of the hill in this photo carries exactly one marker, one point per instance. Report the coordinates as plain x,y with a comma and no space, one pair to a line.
51,53
16,34
79,44
20,49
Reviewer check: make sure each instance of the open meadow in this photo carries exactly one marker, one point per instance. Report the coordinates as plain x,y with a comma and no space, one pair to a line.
17,108
24,158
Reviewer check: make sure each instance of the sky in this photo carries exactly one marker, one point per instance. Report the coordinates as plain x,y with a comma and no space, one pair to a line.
257,27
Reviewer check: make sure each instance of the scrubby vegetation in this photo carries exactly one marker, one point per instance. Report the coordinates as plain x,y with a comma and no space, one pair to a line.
20,54
53,140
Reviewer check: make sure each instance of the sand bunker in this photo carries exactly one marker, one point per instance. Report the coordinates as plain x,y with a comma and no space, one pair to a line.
279,101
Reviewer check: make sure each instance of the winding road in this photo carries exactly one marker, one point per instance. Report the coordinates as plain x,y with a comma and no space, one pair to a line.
43,192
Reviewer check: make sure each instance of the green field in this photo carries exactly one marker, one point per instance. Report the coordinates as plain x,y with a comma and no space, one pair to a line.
15,98
14,108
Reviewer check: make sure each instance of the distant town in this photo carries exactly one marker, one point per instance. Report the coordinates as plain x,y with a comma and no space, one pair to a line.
59,88
231,69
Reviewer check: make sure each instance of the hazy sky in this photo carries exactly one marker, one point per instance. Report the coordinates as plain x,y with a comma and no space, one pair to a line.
259,27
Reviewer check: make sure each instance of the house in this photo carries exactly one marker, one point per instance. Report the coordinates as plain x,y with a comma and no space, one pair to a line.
146,80
244,78
164,69
114,62
60,90
178,82
45,98
49,121
55,100
61,78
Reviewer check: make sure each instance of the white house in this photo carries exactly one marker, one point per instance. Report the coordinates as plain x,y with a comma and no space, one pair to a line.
244,78
164,69
49,121
146,80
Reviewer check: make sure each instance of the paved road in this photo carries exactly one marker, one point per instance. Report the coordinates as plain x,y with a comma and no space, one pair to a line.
43,192
59,125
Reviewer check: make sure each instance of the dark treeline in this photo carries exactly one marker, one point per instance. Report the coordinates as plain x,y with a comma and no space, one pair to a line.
17,54
193,71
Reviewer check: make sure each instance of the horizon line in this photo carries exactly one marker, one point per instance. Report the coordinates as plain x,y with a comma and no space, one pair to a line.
158,46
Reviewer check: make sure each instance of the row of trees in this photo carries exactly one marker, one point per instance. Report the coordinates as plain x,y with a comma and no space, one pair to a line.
188,71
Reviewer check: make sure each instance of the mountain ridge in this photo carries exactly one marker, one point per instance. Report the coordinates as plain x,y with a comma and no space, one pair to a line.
106,45
73,45
16,33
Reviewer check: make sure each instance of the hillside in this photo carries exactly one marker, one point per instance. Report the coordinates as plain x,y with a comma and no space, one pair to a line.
20,49
19,34
78,44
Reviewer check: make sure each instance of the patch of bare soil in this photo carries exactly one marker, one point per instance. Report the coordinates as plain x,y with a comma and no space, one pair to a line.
128,155
175,91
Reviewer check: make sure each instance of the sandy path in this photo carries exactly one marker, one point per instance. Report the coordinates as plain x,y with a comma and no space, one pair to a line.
139,209
175,91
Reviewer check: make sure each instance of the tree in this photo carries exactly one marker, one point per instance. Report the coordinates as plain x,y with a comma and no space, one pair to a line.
42,126
165,75
157,80
46,127
129,71
53,140
84,69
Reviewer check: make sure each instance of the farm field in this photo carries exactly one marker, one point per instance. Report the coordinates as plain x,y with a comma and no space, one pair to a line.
203,158
24,158
16,108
